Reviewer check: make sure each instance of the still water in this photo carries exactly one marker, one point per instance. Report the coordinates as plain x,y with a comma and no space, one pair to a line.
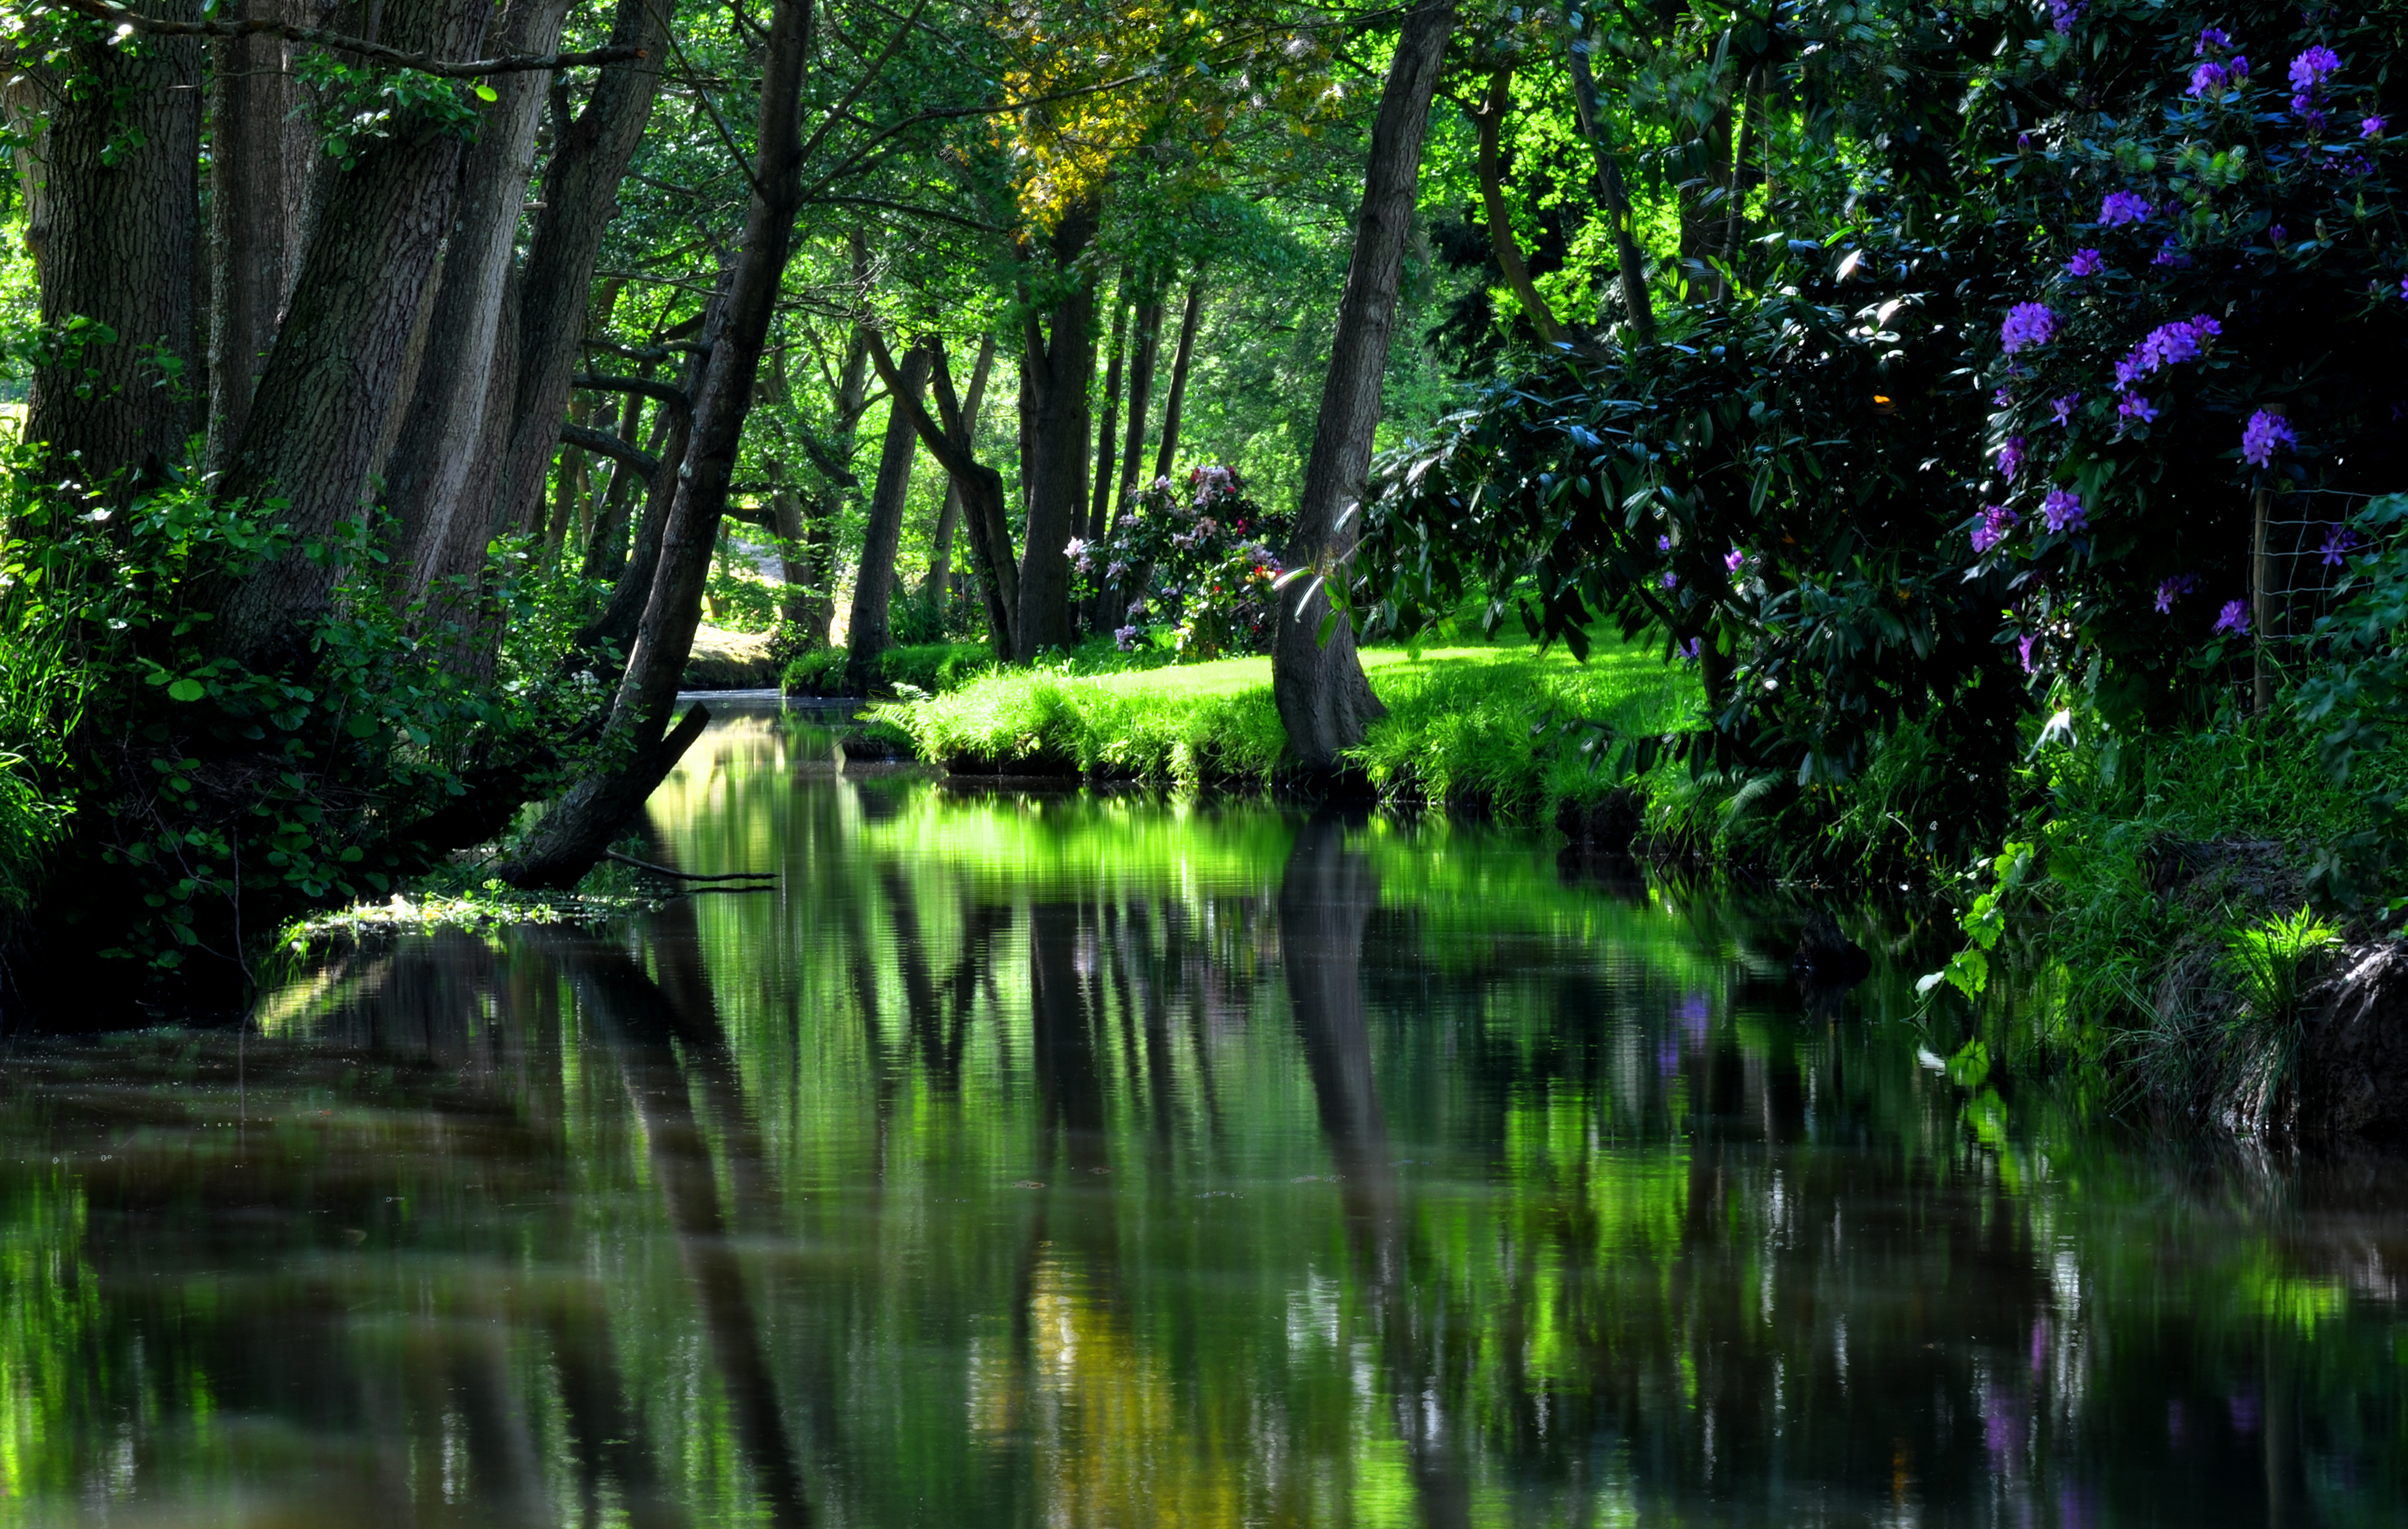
1045,1159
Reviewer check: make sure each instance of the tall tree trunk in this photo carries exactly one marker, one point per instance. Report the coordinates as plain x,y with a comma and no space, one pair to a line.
948,439
939,591
1635,302
639,747
324,403
633,592
1063,371
1487,122
252,222
581,189
606,549
870,628
1172,402
445,421
114,236
1107,438
1146,349
1324,699
816,516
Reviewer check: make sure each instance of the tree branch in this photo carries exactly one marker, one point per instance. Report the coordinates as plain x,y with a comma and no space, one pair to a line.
606,444
132,20
668,393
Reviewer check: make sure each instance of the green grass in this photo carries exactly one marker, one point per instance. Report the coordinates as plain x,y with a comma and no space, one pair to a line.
926,666
1460,730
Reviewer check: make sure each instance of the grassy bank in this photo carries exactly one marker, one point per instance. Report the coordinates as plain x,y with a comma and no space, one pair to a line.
1460,729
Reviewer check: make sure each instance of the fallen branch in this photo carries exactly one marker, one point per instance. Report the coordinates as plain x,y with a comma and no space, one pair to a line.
687,875
119,16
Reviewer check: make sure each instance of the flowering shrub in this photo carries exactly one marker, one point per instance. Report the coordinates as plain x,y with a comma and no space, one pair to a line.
1189,565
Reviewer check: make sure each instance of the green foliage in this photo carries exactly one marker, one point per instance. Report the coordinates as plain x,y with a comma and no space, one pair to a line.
1190,566
927,667
2266,959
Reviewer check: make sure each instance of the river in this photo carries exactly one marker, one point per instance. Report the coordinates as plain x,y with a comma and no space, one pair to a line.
1042,1158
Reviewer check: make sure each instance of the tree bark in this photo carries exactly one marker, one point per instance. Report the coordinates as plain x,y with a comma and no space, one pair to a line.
1168,453
1107,438
1635,302
1324,699
581,187
323,404
433,456
113,234
1486,122
1063,371
253,221
939,591
606,549
868,630
1148,349
639,748
633,591
982,486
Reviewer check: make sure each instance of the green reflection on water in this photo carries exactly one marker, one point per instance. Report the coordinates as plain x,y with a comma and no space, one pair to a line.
1043,1159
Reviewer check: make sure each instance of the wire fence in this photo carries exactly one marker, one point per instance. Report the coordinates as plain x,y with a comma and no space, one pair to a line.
2308,543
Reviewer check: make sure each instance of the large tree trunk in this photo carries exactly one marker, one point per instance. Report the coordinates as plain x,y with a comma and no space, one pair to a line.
1587,109
1324,699
939,591
948,439
639,745
324,403
605,548
581,189
254,217
445,421
1062,370
113,231
1486,121
1172,402
869,629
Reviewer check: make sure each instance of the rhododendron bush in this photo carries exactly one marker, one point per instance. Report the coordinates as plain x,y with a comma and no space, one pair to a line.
2003,428
1187,564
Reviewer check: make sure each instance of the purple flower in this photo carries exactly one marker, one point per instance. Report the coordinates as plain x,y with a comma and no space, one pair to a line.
2239,69
2210,78
2028,325
2338,546
2170,254
1663,544
2403,287
2131,409
1734,559
1670,581
2011,458
2062,511
2023,650
2121,207
1997,522
2311,116
2085,262
1126,638
2372,128
1690,649
2214,36
2278,233
2063,407
2002,397
2062,14
2233,618
2311,68
2168,345
2174,588
2261,436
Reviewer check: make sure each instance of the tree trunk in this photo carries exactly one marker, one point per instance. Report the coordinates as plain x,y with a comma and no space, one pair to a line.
1169,451
1486,122
639,747
1324,699
113,237
939,591
1635,302
1063,371
252,222
1107,438
948,439
1147,350
870,628
581,189
633,592
327,396
1705,205
432,457
606,549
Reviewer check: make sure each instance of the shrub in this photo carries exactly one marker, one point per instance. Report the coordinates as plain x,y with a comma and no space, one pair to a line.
1189,566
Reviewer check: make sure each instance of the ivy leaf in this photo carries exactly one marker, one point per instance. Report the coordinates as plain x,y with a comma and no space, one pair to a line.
186,689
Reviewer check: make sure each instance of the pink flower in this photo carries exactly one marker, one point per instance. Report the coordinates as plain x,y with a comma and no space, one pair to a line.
1734,559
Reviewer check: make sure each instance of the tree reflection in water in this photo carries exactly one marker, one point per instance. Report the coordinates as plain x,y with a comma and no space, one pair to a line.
1044,1160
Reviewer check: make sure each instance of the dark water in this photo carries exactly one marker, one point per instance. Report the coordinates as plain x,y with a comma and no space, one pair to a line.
1046,1160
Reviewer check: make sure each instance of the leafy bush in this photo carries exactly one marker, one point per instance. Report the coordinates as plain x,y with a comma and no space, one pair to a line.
923,666
1190,567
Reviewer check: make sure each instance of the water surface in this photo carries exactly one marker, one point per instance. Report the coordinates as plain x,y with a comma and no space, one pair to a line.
1045,1159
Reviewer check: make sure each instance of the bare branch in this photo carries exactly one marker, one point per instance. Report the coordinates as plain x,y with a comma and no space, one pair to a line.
606,444
668,393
